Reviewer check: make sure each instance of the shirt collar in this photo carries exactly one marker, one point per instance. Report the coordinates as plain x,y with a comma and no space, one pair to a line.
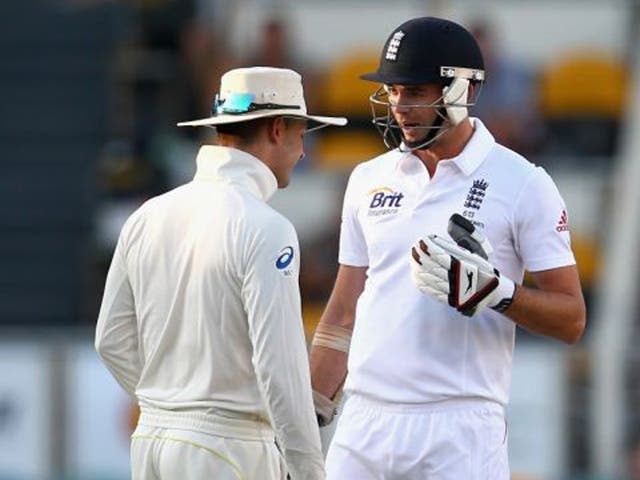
471,157
476,149
230,165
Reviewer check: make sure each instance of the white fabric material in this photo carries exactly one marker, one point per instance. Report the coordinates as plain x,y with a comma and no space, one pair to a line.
166,453
201,309
448,441
389,203
193,445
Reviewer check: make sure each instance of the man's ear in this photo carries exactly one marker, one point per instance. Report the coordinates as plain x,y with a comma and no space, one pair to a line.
275,129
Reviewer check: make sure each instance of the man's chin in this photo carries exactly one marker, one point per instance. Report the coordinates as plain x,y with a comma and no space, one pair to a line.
414,140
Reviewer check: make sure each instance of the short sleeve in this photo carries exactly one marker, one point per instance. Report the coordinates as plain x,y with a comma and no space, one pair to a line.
541,224
353,247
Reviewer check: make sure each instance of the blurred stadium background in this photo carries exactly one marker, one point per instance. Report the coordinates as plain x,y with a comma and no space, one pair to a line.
91,91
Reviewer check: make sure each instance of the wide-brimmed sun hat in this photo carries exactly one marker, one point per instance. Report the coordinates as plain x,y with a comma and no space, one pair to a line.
258,92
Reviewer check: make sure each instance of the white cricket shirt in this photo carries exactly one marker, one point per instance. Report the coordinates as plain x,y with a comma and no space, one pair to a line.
406,346
201,309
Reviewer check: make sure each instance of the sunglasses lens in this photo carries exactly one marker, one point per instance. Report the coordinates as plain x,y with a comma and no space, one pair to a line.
235,103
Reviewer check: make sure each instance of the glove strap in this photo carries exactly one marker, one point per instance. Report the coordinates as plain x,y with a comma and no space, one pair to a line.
506,302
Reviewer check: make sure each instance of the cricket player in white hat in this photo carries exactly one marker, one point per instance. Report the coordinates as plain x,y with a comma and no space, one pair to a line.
201,320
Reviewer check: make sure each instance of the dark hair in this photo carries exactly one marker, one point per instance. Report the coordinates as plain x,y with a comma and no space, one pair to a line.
246,132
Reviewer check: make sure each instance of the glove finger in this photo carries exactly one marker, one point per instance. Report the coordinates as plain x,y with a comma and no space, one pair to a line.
419,251
427,279
458,252
436,252
415,258
440,273
433,281
438,295
428,265
431,278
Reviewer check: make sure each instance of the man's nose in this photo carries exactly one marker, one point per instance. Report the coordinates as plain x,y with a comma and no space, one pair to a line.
401,104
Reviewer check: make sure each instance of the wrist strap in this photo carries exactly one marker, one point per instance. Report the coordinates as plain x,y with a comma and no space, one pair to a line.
506,302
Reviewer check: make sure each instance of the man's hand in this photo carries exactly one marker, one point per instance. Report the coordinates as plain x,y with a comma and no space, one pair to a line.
458,277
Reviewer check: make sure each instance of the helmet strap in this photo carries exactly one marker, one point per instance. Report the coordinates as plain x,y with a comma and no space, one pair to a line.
453,96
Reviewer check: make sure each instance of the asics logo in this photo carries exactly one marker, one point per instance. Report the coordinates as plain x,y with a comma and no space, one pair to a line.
285,258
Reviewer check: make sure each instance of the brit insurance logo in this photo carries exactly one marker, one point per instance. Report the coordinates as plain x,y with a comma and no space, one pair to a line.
384,201
284,260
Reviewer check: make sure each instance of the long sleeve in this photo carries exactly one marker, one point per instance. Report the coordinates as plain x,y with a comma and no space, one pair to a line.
272,301
116,335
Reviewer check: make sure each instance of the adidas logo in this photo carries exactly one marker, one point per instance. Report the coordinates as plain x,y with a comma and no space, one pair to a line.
563,223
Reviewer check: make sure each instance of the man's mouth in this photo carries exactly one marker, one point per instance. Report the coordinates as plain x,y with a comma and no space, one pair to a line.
410,127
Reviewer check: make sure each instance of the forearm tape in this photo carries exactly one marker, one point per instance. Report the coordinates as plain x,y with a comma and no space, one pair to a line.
332,336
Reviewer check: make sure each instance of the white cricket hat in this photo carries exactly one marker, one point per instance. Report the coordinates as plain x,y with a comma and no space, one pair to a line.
257,92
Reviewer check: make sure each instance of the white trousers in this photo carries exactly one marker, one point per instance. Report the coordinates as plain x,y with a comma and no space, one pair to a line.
452,441
167,446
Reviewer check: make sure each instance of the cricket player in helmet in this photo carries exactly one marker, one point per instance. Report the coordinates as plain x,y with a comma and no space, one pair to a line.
436,236
426,51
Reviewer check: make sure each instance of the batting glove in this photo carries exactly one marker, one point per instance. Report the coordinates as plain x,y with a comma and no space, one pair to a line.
455,276
467,236
326,408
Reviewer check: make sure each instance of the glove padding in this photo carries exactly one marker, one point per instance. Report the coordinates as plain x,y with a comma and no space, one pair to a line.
467,236
456,276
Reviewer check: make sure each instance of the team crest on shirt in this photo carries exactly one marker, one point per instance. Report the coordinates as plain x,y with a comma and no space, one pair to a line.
284,260
474,199
384,201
